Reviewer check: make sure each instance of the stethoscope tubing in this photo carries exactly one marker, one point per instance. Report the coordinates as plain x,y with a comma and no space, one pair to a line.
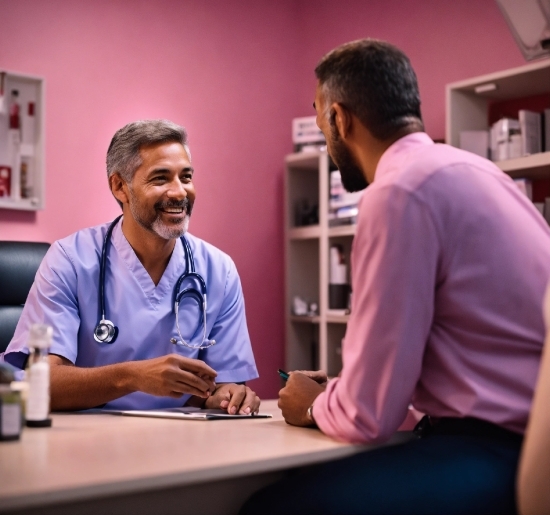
111,331
103,266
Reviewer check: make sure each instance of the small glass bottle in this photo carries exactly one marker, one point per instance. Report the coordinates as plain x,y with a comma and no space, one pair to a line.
15,110
37,408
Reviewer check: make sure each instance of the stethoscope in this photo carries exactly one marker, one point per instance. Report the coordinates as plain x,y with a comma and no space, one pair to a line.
106,332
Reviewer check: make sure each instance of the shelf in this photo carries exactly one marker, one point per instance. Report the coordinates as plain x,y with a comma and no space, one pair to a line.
341,230
523,81
27,204
310,340
336,319
22,142
305,319
468,109
304,233
305,160
533,166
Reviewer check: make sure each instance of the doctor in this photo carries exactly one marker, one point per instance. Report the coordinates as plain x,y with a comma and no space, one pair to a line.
131,346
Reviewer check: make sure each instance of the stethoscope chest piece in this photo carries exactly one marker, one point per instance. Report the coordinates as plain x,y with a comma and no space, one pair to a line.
105,332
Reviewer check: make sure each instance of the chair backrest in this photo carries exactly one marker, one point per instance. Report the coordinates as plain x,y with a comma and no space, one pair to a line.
19,261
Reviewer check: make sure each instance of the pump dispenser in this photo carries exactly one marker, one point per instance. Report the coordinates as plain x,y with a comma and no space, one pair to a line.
37,412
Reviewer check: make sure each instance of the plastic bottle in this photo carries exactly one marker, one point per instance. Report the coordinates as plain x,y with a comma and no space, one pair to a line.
37,408
11,411
338,293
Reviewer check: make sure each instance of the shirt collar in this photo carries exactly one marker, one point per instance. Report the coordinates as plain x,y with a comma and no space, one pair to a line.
391,159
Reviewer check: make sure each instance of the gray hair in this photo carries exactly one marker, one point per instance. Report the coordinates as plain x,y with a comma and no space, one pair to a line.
123,155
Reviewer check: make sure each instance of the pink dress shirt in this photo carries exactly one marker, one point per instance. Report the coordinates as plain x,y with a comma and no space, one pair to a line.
449,266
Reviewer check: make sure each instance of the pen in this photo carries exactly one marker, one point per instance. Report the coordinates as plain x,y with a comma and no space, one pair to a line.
283,374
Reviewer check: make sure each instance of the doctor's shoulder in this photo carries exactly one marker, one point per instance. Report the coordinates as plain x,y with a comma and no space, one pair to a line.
208,257
82,248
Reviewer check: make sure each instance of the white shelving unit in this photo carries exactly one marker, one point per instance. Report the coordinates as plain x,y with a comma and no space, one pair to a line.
22,150
312,341
468,104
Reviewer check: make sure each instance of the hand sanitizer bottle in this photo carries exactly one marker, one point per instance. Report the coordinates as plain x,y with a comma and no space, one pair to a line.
37,409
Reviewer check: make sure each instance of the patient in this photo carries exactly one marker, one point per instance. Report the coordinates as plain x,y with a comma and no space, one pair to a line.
533,487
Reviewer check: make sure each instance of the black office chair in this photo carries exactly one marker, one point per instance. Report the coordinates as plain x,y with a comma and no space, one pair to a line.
19,261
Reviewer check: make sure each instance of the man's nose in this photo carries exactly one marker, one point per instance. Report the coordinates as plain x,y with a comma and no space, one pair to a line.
177,189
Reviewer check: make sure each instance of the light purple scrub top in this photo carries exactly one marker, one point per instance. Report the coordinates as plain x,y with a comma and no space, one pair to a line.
65,296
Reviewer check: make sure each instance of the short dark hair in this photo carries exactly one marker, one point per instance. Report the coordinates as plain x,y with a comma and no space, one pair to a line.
123,155
375,81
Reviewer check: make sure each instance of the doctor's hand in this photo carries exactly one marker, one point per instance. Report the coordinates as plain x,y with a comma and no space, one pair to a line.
297,396
173,376
235,398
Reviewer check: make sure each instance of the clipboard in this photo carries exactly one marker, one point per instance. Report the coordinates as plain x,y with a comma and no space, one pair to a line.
188,413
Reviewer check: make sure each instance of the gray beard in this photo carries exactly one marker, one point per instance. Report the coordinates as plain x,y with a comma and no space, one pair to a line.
167,232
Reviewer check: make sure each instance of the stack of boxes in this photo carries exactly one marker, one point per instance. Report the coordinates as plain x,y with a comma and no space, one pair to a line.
343,205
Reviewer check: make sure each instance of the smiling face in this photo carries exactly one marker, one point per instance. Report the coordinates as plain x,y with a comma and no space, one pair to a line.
161,194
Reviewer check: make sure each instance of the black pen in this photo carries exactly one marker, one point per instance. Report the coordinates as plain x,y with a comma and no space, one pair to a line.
283,374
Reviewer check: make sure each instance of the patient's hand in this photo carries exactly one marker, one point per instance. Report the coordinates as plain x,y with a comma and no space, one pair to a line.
319,376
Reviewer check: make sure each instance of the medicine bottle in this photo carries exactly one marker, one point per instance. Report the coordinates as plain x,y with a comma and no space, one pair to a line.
37,408
15,110
11,411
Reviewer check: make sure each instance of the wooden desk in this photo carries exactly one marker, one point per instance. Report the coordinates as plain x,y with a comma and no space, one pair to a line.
95,464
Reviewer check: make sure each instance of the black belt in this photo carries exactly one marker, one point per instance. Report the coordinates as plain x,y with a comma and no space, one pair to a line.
467,426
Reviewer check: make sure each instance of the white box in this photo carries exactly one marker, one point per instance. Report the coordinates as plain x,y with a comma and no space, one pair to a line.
502,131
515,146
530,127
305,130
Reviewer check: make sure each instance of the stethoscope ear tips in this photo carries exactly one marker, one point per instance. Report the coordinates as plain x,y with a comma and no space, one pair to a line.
105,332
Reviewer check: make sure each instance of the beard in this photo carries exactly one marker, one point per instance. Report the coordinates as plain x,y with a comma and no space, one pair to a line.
176,226
353,178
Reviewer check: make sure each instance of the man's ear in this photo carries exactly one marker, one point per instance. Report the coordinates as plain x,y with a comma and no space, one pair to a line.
342,119
119,188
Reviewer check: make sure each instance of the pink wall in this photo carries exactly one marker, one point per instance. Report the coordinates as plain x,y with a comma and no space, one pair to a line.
447,41
222,71
234,73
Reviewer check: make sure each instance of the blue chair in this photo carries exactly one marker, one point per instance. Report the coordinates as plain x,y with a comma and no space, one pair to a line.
19,261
